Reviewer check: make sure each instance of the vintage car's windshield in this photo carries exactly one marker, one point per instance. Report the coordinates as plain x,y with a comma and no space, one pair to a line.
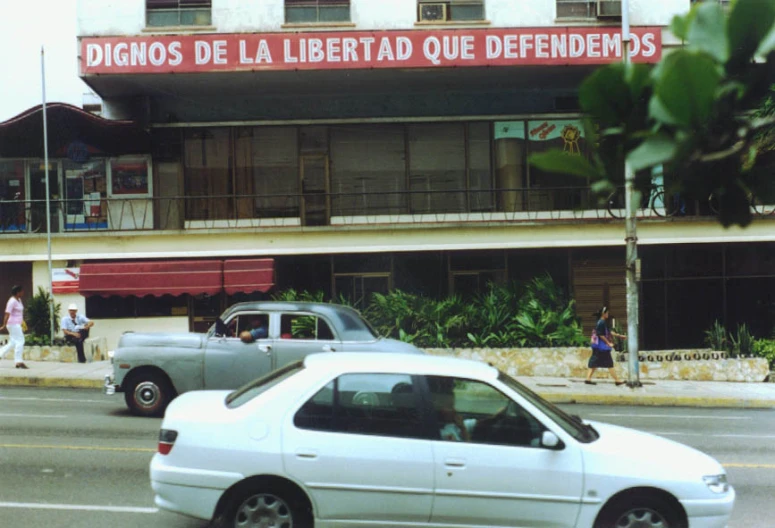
247,392
572,425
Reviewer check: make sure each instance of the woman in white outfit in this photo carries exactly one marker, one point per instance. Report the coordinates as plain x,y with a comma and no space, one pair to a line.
14,317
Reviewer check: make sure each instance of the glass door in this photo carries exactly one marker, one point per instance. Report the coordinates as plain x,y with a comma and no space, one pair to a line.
316,202
37,210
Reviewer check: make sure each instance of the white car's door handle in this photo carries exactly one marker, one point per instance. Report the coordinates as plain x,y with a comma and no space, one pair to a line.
328,348
307,454
455,463
267,349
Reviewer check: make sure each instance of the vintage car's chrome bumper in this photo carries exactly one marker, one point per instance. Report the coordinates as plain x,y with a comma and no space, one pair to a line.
109,386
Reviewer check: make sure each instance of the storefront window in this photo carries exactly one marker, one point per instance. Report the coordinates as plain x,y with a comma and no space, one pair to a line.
368,168
12,209
85,195
437,168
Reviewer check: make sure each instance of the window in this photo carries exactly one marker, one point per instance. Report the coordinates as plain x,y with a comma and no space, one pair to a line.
369,404
576,9
302,326
161,13
358,288
12,217
472,411
316,11
246,322
437,168
450,10
368,168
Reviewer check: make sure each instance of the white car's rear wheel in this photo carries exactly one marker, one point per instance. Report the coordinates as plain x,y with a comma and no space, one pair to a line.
255,508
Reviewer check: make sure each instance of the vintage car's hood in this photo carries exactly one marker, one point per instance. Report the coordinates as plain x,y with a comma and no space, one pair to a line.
182,340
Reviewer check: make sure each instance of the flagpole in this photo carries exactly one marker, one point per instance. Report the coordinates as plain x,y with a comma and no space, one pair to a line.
48,194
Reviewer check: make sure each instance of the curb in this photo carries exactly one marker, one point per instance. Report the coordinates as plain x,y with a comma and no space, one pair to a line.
646,400
61,383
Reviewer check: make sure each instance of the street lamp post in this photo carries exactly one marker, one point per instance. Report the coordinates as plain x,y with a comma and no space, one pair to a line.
631,238
48,195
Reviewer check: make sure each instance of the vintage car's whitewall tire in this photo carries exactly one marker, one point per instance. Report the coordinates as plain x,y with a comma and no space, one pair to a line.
148,394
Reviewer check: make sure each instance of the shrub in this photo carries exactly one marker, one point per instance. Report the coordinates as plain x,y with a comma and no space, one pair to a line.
742,342
716,337
765,348
39,317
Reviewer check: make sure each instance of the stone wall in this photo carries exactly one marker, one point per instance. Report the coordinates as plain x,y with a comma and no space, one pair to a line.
95,349
572,363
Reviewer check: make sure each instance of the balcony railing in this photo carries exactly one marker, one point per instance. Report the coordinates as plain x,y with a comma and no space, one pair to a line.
342,208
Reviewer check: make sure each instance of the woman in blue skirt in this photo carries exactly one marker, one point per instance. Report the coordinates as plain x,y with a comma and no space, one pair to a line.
602,345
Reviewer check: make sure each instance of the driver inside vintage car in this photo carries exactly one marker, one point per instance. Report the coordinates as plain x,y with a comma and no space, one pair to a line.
259,329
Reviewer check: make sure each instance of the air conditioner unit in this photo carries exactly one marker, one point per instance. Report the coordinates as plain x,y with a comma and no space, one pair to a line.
433,12
609,9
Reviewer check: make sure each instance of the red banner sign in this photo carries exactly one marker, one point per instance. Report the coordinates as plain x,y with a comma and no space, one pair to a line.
364,50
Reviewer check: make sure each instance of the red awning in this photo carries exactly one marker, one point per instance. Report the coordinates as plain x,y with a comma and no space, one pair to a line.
248,275
157,278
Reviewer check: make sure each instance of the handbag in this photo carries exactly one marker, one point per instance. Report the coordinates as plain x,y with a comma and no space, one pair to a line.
24,326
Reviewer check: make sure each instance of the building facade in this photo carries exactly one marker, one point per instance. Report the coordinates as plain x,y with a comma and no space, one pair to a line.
360,146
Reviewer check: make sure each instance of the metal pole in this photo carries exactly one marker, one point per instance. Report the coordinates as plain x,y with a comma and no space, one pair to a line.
631,238
48,204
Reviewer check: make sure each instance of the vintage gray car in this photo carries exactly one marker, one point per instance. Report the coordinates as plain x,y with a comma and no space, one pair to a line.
151,369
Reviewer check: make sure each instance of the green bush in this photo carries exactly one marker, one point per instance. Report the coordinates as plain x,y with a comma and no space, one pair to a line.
765,348
531,315
39,316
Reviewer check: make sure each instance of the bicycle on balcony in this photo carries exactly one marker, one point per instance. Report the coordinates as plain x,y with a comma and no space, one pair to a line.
657,200
758,207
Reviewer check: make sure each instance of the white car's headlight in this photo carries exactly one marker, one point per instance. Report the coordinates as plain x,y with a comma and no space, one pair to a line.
717,483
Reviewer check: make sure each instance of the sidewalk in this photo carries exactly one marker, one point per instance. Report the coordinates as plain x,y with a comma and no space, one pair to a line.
558,390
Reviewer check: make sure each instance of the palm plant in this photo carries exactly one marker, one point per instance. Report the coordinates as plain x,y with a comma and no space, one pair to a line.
38,315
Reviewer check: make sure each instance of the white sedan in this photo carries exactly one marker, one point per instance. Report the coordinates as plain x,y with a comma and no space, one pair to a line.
395,440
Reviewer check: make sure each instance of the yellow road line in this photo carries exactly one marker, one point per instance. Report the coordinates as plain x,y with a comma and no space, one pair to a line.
78,448
753,466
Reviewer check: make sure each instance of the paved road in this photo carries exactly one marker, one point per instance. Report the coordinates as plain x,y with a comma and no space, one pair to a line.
76,458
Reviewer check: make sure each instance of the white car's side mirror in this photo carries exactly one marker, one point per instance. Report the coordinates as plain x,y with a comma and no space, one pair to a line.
549,440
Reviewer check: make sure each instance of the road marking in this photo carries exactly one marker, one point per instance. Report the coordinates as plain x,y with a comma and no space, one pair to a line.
682,416
77,507
751,466
661,433
25,415
58,400
78,448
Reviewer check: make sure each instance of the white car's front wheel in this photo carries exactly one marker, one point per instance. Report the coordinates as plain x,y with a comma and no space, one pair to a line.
640,510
